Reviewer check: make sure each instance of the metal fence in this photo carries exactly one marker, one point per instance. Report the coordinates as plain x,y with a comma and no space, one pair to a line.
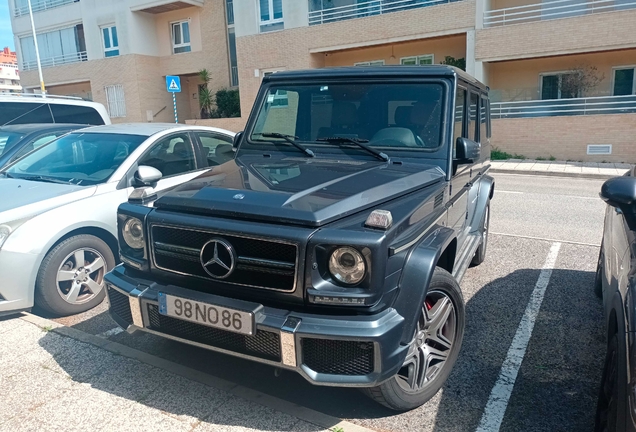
552,10
358,9
22,7
56,61
564,107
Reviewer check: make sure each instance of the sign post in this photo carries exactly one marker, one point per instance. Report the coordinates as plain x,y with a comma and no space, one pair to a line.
173,85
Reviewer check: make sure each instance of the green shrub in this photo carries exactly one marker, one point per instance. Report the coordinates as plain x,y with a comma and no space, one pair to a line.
228,104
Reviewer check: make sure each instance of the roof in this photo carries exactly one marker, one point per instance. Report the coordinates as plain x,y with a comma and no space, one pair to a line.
38,127
375,72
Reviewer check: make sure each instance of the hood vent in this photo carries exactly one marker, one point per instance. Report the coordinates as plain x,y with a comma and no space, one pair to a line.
439,199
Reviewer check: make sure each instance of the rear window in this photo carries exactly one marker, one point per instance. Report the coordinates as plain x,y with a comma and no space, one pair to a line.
37,112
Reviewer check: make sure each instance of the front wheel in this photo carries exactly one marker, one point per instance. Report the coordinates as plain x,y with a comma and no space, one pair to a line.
71,277
598,277
433,350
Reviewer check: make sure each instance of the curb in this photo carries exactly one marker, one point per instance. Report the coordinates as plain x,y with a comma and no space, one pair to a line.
554,174
300,412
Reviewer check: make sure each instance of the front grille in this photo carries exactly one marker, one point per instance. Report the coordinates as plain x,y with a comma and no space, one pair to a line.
260,263
338,357
263,344
119,305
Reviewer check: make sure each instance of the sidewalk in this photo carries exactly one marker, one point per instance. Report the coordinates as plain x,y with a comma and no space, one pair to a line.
560,168
58,378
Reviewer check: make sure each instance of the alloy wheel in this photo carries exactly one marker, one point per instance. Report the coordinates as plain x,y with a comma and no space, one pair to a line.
81,276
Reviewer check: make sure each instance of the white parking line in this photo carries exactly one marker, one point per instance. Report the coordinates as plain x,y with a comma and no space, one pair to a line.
111,332
510,192
500,394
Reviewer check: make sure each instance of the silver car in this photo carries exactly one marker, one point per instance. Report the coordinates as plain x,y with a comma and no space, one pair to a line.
58,206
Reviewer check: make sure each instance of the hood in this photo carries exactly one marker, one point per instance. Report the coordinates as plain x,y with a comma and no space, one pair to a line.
23,198
301,191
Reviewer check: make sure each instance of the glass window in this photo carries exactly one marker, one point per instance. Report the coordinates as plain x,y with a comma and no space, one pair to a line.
483,120
172,155
78,158
458,128
75,114
111,42
560,86
181,37
417,60
115,100
8,140
271,13
624,82
35,144
216,148
388,115
473,127
24,113
370,63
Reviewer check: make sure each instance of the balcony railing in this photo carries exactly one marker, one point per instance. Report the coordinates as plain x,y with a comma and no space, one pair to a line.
564,107
56,61
552,10
234,77
22,7
355,9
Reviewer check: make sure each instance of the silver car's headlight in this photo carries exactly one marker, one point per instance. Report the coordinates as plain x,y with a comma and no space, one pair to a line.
4,234
133,233
347,265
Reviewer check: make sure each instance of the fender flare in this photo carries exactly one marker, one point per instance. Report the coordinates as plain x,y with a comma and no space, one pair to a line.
486,192
416,276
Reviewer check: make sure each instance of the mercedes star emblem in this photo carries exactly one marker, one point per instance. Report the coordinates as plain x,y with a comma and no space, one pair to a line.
218,258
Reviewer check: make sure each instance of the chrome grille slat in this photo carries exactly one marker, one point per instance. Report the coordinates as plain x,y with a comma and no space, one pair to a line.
261,263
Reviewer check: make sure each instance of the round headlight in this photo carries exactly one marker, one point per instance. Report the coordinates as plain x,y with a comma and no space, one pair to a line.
133,233
347,265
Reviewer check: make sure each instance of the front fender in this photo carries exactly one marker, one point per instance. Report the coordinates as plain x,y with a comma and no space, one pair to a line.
416,277
486,192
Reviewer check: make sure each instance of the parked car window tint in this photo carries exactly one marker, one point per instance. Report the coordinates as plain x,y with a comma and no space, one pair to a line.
172,155
388,115
81,158
473,126
216,148
483,120
34,145
8,140
76,114
458,127
24,113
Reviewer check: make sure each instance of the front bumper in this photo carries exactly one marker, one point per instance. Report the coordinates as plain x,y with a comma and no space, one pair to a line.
18,272
345,351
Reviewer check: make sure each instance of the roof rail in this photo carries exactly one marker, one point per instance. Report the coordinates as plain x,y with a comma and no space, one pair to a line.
40,96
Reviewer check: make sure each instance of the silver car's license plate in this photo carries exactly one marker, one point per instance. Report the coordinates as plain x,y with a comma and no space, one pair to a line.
206,314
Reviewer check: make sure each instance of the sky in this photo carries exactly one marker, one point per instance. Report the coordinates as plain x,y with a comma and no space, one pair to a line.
6,36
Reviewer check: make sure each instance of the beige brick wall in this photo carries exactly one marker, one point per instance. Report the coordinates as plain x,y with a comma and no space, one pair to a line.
567,138
291,49
594,32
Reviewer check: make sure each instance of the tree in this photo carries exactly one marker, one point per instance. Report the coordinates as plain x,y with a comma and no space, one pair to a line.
452,61
579,80
206,99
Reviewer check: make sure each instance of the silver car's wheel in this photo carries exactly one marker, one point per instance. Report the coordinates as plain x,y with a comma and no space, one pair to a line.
431,344
71,276
80,278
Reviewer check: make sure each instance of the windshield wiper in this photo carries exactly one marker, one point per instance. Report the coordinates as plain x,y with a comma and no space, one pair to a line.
45,179
357,141
290,139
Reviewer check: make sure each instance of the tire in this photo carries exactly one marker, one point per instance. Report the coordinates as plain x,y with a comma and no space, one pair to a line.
67,286
598,277
480,253
607,407
401,392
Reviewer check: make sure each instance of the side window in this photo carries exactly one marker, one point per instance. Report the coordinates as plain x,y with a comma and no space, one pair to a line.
25,113
172,155
489,119
216,148
75,114
35,144
483,119
473,128
458,128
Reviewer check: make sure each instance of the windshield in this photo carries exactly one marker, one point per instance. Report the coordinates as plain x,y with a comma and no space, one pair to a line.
8,140
405,116
80,158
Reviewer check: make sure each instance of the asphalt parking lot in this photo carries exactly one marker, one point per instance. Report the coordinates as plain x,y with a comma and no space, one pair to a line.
533,293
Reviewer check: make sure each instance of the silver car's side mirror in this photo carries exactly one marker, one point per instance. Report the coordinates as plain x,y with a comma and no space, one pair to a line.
147,176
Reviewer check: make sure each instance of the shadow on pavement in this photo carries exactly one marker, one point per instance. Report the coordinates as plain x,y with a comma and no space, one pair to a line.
555,390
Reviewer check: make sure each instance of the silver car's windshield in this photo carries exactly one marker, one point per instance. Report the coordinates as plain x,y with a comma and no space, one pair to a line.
80,158
8,140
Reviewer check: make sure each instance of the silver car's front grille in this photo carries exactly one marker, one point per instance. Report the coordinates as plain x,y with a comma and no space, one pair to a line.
259,263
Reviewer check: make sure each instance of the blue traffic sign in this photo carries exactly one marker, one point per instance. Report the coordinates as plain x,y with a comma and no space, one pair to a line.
173,84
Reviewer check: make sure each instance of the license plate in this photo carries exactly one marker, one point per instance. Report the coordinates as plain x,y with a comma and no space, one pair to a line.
206,314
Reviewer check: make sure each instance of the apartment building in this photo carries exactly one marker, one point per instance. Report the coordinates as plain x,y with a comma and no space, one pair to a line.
561,72
119,52
9,75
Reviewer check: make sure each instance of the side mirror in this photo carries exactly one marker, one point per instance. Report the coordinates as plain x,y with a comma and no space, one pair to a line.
147,176
620,193
236,141
467,151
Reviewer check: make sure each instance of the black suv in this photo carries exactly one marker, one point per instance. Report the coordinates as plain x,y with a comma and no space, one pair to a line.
334,243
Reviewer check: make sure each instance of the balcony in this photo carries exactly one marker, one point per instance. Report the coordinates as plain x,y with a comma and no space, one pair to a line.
161,6
554,9
564,107
22,6
56,61
349,9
